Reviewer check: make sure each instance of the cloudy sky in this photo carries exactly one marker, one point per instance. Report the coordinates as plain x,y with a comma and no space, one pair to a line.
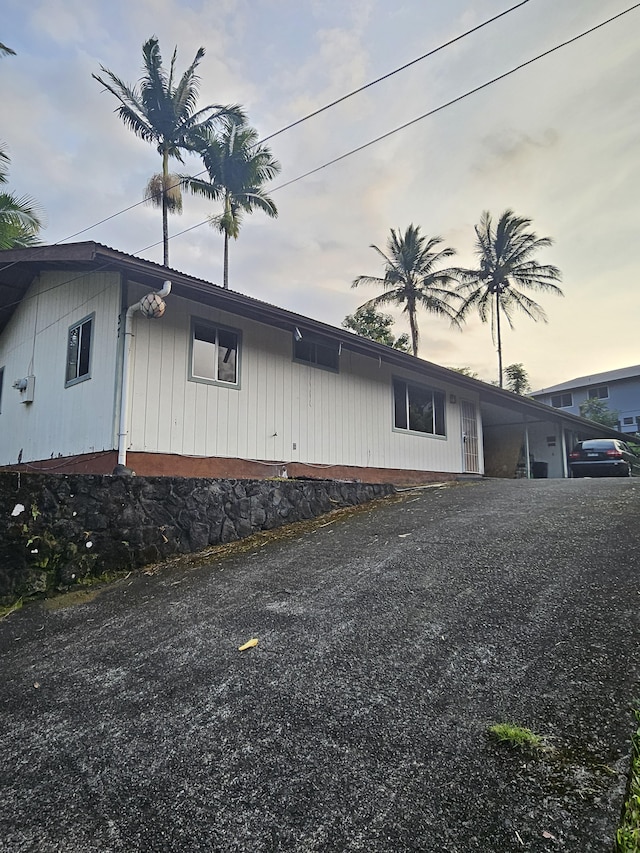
557,142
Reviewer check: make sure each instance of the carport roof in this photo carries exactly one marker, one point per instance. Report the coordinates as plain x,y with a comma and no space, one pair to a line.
19,267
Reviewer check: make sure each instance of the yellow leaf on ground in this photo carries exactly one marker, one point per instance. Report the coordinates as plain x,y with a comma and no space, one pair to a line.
248,645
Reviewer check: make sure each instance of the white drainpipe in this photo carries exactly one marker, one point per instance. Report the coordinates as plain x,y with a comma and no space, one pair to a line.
526,448
151,305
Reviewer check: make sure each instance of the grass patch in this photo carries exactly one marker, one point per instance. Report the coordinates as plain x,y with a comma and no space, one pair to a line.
104,578
517,737
7,609
628,835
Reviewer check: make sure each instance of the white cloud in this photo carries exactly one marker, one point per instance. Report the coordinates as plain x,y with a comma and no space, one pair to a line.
557,142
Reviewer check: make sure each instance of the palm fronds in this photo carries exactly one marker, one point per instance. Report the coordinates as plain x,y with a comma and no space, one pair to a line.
506,266
412,278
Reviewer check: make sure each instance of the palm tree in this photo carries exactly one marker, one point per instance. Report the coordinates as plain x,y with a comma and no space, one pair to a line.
238,168
162,110
19,222
506,263
411,278
19,217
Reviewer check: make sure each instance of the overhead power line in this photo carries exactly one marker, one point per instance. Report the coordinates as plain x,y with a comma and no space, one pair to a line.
307,117
424,115
454,100
391,132
396,70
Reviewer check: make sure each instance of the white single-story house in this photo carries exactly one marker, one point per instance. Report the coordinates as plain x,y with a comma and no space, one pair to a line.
224,385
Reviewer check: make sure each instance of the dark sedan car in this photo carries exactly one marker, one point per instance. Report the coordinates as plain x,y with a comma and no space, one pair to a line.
603,457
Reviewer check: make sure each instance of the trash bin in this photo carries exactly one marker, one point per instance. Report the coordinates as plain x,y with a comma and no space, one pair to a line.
540,470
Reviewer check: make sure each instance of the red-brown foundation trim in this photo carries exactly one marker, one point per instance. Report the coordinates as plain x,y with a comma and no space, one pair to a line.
85,463
217,467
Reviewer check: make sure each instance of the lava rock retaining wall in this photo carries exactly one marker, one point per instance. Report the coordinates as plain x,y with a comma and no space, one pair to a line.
56,529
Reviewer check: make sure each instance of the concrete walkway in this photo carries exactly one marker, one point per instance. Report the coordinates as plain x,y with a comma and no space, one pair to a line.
388,641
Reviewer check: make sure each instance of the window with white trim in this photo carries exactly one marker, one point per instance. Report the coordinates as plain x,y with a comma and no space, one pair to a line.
79,351
214,353
562,401
599,392
418,408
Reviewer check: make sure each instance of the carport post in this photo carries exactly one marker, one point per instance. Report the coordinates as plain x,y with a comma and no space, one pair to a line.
526,448
565,471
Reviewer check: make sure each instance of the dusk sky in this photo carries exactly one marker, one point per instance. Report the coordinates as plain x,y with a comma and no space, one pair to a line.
558,142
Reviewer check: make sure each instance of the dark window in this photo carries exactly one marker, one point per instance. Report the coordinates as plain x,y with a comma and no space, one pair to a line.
214,354
320,352
561,401
627,420
79,352
599,393
418,408
598,444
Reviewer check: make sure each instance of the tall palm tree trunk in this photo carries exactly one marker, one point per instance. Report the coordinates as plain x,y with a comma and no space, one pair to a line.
413,325
165,217
225,263
499,337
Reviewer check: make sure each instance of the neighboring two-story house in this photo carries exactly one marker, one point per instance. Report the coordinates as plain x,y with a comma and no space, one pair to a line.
619,389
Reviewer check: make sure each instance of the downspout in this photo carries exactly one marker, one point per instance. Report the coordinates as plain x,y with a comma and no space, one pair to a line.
526,448
565,471
152,306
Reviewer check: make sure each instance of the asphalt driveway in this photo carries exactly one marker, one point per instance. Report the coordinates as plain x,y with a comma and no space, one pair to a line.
389,640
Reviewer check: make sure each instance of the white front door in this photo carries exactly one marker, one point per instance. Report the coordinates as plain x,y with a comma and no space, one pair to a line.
470,437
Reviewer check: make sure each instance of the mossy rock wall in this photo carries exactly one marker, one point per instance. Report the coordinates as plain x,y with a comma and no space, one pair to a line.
56,529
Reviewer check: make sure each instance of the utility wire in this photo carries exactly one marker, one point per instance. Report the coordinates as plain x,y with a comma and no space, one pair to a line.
425,115
454,100
391,132
301,120
395,71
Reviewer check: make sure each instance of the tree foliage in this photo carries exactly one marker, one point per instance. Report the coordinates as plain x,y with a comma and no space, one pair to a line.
517,379
162,109
506,268
20,216
465,371
597,410
372,324
238,167
413,278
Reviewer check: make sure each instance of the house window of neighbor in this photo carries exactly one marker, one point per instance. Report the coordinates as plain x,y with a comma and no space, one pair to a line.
79,351
320,352
561,401
418,408
627,420
214,354
599,393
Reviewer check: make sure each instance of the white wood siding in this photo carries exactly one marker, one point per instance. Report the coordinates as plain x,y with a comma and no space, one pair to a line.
60,421
343,418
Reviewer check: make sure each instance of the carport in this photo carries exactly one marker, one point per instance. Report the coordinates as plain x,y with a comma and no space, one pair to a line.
524,438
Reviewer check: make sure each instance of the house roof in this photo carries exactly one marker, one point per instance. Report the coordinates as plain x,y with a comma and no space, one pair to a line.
19,267
594,379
